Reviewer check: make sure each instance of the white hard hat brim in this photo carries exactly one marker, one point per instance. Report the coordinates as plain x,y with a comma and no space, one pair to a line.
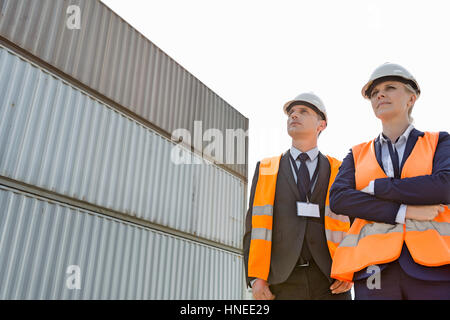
306,103
405,81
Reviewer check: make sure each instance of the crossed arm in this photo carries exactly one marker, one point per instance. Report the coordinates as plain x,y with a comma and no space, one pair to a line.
390,193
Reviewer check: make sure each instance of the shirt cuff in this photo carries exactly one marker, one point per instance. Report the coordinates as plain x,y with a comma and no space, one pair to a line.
401,214
371,187
252,282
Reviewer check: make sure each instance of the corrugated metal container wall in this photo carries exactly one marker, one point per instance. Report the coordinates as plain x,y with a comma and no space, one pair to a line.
41,239
59,138
145,80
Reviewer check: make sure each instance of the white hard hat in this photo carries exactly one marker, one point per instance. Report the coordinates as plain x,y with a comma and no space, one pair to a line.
310,100
390,71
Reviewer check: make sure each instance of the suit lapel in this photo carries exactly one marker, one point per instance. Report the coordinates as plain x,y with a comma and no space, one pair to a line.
286,170
377,147
323,177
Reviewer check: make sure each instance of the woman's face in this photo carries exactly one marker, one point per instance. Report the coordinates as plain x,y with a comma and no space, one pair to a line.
390,99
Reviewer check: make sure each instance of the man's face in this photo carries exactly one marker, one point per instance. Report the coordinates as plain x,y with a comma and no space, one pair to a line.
303,120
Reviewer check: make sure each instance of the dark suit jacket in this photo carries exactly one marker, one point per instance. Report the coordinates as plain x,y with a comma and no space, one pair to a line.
289,231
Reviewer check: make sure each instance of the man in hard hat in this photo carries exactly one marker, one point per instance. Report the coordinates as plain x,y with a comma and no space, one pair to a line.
290,232
397,187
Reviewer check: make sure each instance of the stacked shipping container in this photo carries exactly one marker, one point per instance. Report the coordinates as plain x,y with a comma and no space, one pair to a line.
86,176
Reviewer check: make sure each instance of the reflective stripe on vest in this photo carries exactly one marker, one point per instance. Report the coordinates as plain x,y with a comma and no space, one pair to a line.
336,225
262,218
369,243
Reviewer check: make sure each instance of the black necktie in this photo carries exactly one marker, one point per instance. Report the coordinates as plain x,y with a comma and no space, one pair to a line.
395,161
303,179
303,182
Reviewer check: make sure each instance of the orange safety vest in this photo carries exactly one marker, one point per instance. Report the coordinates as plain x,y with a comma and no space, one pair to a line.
336,226
368,243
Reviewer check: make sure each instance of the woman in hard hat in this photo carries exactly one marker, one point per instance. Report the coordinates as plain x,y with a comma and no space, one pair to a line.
397,186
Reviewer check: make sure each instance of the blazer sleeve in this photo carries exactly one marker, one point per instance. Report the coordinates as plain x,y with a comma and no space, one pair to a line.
421,190
248,224
346,200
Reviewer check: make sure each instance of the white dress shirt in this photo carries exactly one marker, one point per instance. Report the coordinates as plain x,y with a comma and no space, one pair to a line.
400,145
311,163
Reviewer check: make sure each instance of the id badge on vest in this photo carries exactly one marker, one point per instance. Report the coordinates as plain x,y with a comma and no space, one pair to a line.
308,209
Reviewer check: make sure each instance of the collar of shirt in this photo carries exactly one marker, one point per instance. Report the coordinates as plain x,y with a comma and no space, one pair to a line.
401,140
313,153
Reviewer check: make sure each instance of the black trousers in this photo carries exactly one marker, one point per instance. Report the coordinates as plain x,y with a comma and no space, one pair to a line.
306,283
